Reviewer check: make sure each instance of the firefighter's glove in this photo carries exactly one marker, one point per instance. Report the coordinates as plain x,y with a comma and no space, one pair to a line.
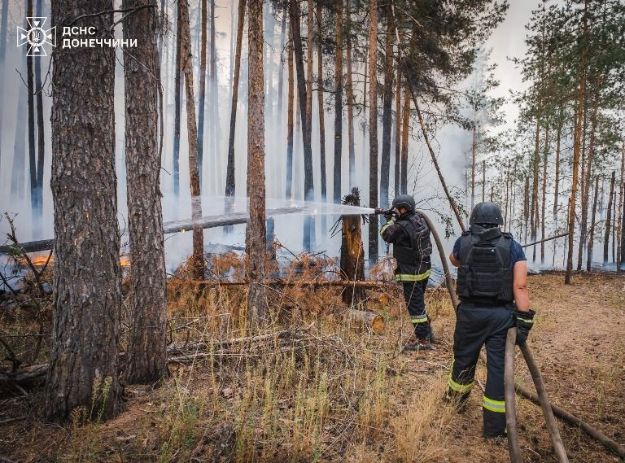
391,213
524,322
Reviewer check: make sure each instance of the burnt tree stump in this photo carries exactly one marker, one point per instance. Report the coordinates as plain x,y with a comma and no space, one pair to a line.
352,251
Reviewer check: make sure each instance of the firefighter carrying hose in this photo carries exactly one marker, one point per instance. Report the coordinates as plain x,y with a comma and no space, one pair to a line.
492,287
410,236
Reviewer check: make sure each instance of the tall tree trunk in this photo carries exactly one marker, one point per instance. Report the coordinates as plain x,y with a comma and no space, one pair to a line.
322,124
338,103
84,366
621,249
473,161
397,145
544,196
526,205
202,96
556,181
349,88
3,42
310,33
3,29
256,241
290,117
483,180
534,203
608,221
214,80
19,145
586,187
230,177
373,126
387,110
591,237
405,139
147,354
298,52
581,95
197,261
177,105
41,147
281,72
31,122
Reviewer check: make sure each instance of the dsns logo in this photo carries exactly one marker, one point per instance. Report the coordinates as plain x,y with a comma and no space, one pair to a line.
36,36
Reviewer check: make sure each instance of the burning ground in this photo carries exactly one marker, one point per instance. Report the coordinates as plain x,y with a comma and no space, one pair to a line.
319,386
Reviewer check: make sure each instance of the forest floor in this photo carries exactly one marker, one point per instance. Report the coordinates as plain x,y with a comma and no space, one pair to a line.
325,389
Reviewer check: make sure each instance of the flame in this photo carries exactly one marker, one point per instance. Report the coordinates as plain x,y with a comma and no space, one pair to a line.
124,261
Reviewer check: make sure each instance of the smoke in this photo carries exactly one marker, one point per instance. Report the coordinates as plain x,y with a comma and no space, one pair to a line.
451,142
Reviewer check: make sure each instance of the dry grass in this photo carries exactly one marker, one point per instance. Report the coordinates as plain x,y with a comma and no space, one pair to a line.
331,391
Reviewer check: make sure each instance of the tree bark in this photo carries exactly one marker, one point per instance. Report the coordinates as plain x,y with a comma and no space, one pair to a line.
87,275
290,117
473,160
147,354
483,180
621,205
338,103
197,260
398,87
310,32
534,199
591,235
586,186
3,29
294,13
322,124
608,221
352,252
556,181
177,105
230,177
214,79
405,140
581,94
387,110
30,76
41,146
349,88
256,241
373,127
543,206
526,205
202,77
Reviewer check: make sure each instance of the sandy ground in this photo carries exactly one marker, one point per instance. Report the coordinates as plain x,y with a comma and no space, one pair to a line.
579,344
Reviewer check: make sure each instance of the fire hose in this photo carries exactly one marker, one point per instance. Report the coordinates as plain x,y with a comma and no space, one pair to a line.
540,399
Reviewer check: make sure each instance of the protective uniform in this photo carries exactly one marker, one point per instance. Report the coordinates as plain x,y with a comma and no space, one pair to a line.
486,311
412,248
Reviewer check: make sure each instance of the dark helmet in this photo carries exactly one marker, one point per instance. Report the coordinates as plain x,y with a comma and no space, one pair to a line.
405,201
486,213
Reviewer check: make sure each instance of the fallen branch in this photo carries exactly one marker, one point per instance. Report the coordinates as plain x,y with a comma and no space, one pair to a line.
508,375
562,235
576,422
316,284
552,426
168,228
